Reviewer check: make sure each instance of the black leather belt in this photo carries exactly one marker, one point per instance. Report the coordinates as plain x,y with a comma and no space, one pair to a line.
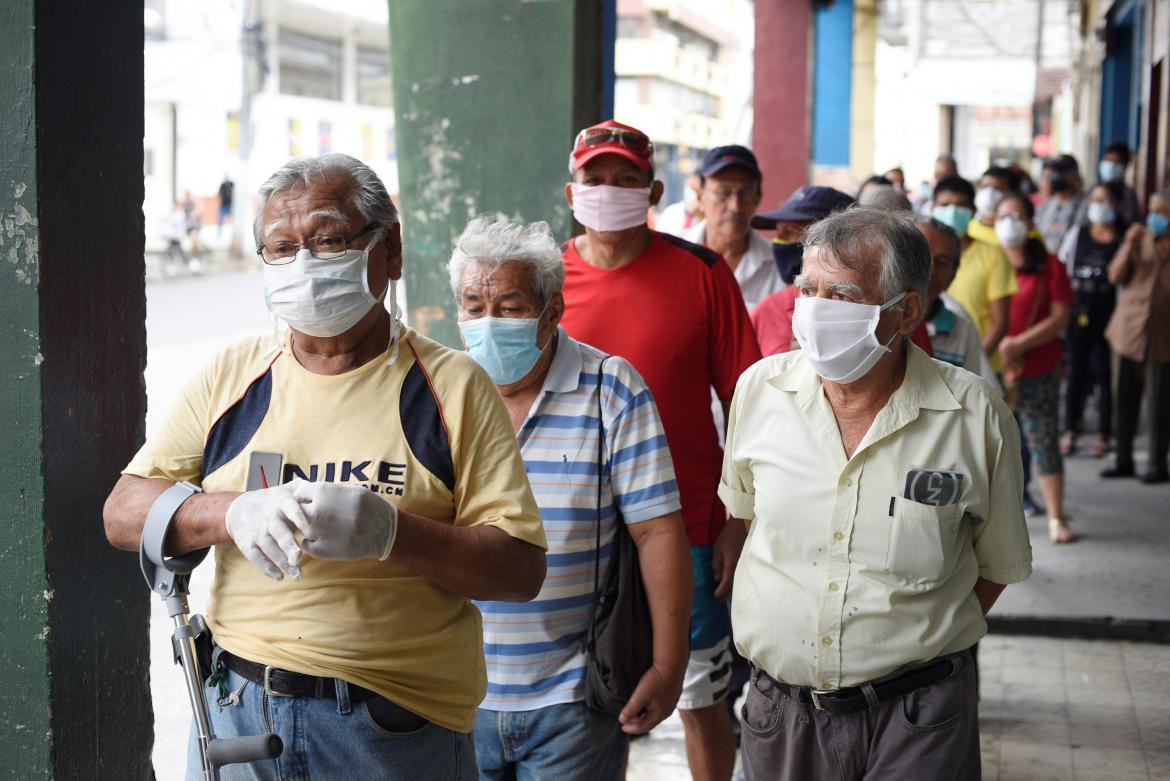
852,699
286,683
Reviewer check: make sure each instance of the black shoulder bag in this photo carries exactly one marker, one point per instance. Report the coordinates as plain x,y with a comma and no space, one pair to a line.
621,644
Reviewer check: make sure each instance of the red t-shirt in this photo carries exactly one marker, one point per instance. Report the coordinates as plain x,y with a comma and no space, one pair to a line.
1052,285
772,319
677,315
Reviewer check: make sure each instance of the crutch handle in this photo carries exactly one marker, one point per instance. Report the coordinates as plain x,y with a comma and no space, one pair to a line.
230,751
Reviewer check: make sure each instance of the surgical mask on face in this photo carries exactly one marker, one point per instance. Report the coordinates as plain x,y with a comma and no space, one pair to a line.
788,256
1157,224
838,337
1011,231
986,201
322,298
1101,213
504,346
956,217
1110,170
603,207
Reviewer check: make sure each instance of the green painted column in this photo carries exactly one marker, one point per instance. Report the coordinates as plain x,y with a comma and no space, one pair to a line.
487,96
74,696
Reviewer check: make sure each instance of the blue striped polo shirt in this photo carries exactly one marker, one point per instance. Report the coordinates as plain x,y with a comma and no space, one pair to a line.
535,650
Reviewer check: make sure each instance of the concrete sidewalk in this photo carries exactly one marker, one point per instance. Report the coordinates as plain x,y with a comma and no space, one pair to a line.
1051,710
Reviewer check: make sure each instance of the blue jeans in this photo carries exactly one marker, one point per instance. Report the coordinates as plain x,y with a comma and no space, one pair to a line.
560,742
326,739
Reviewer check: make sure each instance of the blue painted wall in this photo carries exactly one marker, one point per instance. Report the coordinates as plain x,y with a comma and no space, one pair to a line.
1121,76
832,84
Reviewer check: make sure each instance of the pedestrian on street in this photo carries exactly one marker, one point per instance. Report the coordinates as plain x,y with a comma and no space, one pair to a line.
1086,253
507,280
729,193
674,311
1033,349
882,491
226,192
361,484
1057,214
1139,333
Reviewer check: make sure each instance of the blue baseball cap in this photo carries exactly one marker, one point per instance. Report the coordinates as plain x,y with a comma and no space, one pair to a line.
806,204
722,157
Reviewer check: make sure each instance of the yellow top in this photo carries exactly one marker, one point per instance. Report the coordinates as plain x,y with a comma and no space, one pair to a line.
856,568
984,275
428,432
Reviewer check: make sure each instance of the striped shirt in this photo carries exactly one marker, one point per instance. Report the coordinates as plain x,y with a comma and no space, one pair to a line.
535,650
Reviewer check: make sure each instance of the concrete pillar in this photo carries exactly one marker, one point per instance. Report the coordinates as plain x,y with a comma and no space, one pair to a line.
780,128
74,699
487,98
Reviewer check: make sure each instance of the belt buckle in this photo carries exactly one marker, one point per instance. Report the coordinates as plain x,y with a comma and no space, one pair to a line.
816,697
267,683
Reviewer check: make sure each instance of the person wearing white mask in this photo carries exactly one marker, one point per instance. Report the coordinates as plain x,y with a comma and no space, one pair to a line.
882,489
995,183
1111,171
361,484
674,311
507,280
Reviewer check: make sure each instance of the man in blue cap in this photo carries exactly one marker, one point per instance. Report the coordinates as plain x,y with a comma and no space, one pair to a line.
729,194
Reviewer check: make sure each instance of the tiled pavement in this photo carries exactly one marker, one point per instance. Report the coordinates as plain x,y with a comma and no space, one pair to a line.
1051,710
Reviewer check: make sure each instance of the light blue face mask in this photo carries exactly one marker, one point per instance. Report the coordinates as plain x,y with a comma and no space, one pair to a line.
1158,224
504,346
956,217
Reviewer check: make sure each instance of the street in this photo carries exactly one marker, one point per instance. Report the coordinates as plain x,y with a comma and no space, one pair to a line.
1051,708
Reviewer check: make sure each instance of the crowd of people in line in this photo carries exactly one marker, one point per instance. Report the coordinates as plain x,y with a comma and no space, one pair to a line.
410,538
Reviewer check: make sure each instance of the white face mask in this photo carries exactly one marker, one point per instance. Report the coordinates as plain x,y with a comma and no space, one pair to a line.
1010,231
603,207
837,337
1101,213
321,298
987,201
1110,170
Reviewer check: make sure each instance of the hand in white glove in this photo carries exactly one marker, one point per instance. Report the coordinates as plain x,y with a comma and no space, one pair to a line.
262,524
346,522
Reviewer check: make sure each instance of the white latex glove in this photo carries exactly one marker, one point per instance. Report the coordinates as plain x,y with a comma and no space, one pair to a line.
346,522
262,524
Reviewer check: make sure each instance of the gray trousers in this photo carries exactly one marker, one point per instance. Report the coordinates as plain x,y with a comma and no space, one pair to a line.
931,733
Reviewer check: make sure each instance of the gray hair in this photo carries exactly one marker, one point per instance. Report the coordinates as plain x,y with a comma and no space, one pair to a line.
368,194
938,226
885,198
485,240
862,237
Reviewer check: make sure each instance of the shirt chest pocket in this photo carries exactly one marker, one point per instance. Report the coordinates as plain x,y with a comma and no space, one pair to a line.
924,540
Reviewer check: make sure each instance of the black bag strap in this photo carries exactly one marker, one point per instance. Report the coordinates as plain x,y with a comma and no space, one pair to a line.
600,468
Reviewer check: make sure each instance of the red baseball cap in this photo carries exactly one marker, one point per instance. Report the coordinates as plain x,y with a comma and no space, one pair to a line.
611,138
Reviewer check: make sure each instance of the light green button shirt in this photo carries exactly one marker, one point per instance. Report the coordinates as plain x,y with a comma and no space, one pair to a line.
843,579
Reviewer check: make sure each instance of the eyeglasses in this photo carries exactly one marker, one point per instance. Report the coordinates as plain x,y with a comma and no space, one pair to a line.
327,246
632,140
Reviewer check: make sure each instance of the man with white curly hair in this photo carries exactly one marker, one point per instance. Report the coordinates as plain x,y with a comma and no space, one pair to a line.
596,456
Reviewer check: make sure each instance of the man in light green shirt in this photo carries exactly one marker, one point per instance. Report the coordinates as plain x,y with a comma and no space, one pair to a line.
882,492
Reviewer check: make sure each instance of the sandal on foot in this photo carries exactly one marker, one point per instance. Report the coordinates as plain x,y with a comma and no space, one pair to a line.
1068,443
1100,448
1059,532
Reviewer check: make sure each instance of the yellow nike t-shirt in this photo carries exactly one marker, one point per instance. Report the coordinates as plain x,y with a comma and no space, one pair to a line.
428,432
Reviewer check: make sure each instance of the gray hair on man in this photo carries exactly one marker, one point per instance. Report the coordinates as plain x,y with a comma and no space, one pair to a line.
485,240
886,198
858,238
368,195
938,226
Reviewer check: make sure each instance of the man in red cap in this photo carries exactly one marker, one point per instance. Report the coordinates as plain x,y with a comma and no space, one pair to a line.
672,309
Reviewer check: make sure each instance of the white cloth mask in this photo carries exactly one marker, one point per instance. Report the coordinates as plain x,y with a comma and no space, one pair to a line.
602,207
1010,231
1101,213
987,201
321,298
838,337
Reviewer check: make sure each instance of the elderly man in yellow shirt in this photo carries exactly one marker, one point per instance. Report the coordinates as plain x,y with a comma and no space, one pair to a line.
882,493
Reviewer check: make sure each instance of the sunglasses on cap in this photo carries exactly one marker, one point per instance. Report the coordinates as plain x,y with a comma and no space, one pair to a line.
632,140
